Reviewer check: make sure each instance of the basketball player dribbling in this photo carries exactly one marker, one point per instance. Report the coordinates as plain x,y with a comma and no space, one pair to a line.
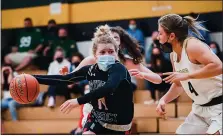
197,71
108,80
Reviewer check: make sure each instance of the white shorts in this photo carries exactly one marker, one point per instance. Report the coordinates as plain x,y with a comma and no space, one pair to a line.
17,57
202,120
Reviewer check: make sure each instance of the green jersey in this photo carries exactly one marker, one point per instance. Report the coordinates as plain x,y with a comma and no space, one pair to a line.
29,40
69,46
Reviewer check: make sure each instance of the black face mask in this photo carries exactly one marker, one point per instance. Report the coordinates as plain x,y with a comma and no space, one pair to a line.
52,29
59,60
6,73
156,42
63,38
75,64
156,56
29,29
166,47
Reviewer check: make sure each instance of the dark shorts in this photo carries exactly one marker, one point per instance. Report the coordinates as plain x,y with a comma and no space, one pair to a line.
93,125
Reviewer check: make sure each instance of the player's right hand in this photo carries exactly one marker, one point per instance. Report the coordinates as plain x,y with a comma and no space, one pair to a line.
67,106
160,109
64,70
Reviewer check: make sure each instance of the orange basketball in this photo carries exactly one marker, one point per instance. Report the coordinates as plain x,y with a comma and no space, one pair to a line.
24,89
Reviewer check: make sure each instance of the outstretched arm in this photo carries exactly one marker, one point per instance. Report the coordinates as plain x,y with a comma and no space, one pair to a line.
63,79
139,70
149,75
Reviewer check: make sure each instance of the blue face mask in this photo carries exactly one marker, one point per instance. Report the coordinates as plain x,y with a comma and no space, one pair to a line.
214,50
104,62
132,27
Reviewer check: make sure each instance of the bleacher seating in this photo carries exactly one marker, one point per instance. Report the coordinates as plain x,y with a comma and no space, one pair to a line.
145,125
142,95
183,109
40,126
145,118
169,125
43,113
143,110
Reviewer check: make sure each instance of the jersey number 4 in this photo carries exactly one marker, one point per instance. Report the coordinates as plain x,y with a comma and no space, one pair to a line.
192,89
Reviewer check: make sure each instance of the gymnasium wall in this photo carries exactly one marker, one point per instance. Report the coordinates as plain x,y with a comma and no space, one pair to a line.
82,16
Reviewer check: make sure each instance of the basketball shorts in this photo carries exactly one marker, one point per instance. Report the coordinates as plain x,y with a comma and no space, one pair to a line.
202,120
93,125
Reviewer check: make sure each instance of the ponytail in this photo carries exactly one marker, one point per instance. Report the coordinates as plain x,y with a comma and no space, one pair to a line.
195,26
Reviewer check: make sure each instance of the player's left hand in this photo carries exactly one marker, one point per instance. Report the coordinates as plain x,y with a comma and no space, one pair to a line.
136,73
67,106
175,77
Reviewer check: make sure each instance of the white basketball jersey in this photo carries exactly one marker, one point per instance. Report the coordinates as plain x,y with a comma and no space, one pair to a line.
201,91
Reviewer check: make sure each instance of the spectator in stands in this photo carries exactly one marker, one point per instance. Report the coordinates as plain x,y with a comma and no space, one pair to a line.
216,49
29,43
55,66
7,102
78,87
136,32
205,34
155,43
50,35
76,58
159,65
69,46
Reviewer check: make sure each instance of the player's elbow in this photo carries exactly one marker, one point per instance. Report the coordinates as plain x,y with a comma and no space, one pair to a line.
219,69
158,80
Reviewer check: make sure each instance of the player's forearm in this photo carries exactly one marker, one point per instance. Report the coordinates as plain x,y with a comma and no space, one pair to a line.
2,79
153,77
38,48
210,70
174,91
150,76
52,80
10,77
58,79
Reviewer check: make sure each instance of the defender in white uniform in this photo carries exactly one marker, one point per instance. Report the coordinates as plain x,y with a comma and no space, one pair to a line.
197,71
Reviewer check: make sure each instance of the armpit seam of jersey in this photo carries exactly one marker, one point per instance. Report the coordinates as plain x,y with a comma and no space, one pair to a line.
61,79
54,79
127,80
73,78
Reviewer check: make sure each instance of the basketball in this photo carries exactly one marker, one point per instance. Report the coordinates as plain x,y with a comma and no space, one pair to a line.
24,89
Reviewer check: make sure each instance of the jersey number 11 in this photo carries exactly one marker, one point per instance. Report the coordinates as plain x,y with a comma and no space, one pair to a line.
191,88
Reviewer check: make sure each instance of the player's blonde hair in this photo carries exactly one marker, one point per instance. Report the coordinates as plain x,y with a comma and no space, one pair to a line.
103,35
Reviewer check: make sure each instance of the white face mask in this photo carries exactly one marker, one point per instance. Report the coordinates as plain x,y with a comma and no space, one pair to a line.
132,27
105,61
214,50
86,91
